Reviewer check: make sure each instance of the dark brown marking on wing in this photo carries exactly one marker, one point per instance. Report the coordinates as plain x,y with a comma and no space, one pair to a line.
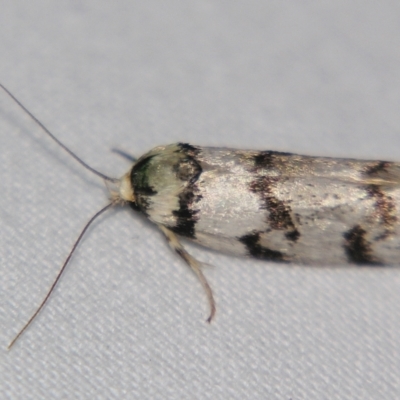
357,247
189,149
279,216
255,249
188,170
385,209
379,167
266,159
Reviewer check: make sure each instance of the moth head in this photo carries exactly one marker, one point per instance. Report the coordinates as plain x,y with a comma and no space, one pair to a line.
125,191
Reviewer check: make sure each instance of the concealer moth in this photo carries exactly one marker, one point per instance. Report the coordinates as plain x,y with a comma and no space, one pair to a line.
269,205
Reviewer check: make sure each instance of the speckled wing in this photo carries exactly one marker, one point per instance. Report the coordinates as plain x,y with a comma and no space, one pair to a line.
275,206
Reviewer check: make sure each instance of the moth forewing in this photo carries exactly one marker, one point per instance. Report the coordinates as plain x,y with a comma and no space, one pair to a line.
271,205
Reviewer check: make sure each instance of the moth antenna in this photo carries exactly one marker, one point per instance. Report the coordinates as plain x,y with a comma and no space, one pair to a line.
70,152
125,155
52,287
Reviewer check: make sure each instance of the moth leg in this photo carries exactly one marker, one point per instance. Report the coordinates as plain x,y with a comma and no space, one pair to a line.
195,265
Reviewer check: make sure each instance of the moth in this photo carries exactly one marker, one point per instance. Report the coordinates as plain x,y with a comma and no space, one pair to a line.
269,205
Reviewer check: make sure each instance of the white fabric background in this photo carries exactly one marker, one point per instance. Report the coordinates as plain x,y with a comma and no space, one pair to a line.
128,318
